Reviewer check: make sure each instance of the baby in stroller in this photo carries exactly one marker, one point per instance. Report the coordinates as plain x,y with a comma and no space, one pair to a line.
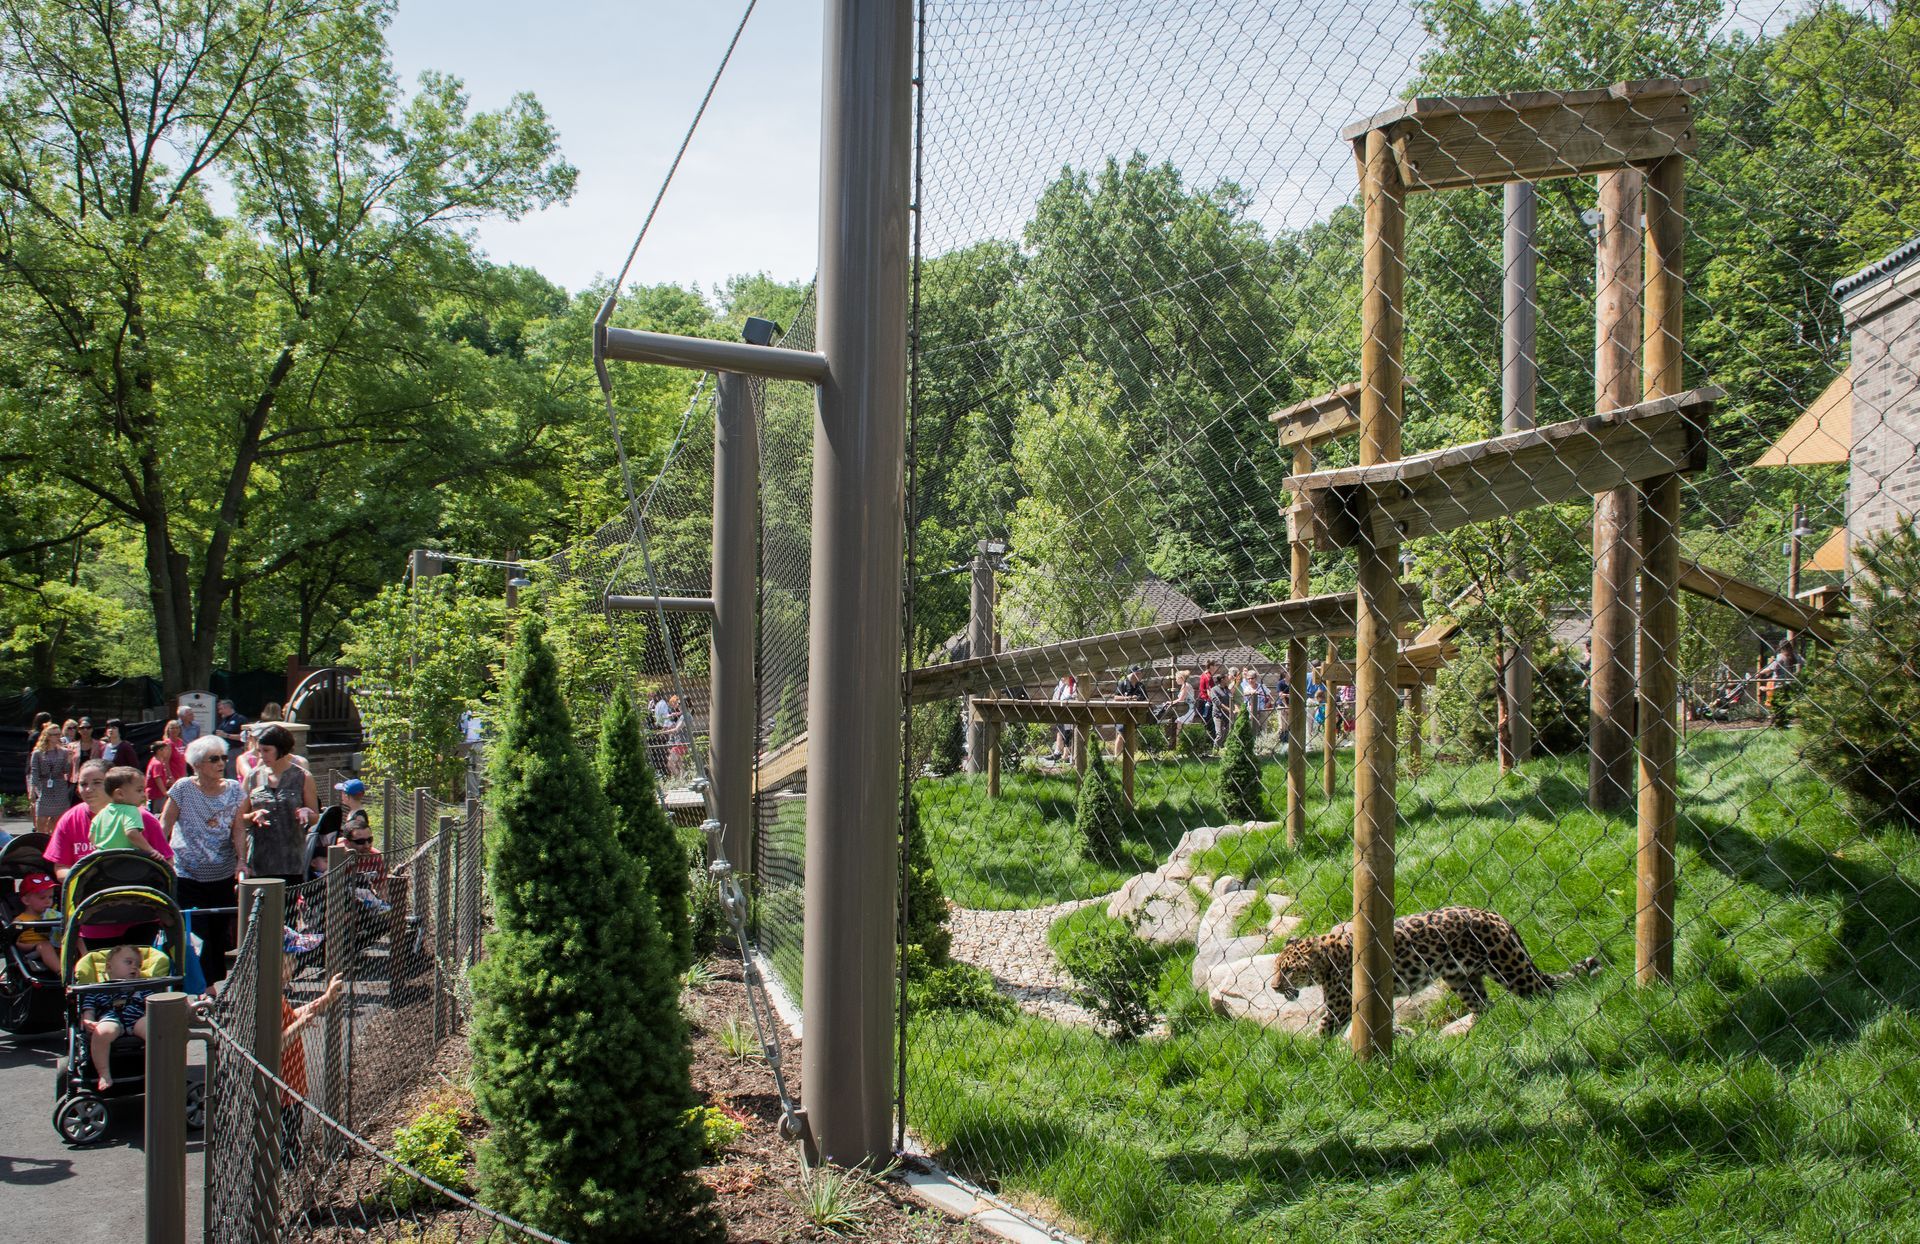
36,892
108,1014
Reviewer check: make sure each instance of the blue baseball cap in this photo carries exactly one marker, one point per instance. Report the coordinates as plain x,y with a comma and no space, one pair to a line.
352,786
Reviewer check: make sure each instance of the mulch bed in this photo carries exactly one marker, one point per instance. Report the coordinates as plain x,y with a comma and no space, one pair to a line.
755,1182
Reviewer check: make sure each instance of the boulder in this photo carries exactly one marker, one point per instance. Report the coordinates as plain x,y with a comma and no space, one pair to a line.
1215,940
1226,885
1162,909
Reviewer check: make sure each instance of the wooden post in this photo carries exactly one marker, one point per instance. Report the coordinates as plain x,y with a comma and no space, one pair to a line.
1080,751
1616,384
1417,712
263,1211
389,812
1330,726
166,1144
1297,682
993,763
1659,584
1377,608
422,834
1123,737
979,643
443,876
1519,382
473,852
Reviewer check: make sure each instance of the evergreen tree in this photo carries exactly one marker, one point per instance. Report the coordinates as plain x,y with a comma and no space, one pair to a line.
641,825
1099,812
928,942
580,1057
1240,793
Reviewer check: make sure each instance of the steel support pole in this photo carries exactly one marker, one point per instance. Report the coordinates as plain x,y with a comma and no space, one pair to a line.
263,1212
1377,608
854,699
1519,385
736,491
1615,559
1659,585
167,1019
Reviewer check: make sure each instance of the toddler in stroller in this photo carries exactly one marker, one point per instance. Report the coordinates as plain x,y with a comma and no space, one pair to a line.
36,893
108,1015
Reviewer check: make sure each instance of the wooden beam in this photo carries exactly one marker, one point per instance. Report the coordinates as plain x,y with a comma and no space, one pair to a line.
1475,483
1341,674
1322,418
1257,624
1450,142
1753,600
1063,712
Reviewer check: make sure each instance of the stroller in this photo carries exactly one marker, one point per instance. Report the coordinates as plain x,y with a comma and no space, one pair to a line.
30,995
115,887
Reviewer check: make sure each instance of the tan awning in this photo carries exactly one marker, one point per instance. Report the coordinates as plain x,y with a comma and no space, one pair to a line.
1822,433
1832,555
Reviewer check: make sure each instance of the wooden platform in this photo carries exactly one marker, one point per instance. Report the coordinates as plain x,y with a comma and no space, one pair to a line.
1278,622
1476,483
1449,142
781,765
1064,712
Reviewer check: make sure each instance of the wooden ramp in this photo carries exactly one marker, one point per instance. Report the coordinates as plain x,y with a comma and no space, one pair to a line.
1754,600
781,765
1278,622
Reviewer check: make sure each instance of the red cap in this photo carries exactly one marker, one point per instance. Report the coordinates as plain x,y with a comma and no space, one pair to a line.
38,883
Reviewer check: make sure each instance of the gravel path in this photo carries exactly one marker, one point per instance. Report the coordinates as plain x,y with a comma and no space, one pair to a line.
1012,945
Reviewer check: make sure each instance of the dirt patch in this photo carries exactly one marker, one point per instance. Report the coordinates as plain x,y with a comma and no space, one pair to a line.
756,1182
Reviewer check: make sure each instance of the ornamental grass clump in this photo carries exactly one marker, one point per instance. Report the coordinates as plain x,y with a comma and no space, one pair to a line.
641,825
580,1055
1241,797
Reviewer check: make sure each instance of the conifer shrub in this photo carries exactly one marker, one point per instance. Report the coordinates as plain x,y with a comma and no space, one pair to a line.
580,1055
1117,976
1859,703
641,825
1241,796
1099,812
927,942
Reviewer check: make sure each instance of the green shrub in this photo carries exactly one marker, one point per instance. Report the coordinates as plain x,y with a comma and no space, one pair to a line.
1469,714
1859,704
1117,975
718,1128
960,987
432,1144
927,941
1193,742
641,824
580,1059
1099,812
1241,796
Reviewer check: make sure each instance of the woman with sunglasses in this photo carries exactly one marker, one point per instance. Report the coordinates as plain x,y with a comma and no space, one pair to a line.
202,819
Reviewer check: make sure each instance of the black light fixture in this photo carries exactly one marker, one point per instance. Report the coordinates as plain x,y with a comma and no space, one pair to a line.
759,332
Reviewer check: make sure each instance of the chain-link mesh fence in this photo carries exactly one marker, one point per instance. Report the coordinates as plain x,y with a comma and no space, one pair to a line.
368,1090
1646,743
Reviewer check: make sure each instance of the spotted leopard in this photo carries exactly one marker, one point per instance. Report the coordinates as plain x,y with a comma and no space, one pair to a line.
1460,945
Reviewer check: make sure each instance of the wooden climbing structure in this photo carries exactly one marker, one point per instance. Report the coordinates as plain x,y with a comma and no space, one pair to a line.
1640,445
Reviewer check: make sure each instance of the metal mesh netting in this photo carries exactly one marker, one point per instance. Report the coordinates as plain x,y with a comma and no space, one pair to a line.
786,568
1150,299
309,1147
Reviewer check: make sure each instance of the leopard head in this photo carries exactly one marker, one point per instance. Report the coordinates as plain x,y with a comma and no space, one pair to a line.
1298,965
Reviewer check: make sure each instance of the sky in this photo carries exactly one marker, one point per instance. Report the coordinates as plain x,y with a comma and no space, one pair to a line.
620,82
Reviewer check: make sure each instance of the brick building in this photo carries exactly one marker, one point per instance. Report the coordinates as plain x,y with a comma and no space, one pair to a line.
1882,308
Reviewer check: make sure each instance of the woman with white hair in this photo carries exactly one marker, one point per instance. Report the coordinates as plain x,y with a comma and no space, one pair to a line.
202,820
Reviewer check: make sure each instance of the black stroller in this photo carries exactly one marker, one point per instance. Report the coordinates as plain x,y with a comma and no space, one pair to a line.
30,994
127,888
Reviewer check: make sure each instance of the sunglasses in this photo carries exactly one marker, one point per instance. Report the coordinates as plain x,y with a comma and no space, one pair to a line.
361,842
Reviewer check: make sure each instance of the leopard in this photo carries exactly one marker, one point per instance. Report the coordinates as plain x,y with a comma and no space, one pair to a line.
1460,945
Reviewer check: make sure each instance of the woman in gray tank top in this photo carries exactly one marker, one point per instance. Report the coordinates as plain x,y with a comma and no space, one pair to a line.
282,801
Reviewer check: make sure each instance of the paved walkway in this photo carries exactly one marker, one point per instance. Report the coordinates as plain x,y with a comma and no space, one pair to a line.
49,1191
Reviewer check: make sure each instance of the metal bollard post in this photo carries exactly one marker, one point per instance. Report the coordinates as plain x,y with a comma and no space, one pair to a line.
167,1018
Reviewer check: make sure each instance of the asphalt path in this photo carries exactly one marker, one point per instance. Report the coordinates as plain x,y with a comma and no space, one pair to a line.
50,1190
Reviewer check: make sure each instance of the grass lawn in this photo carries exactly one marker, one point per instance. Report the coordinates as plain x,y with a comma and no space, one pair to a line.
1771,1093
